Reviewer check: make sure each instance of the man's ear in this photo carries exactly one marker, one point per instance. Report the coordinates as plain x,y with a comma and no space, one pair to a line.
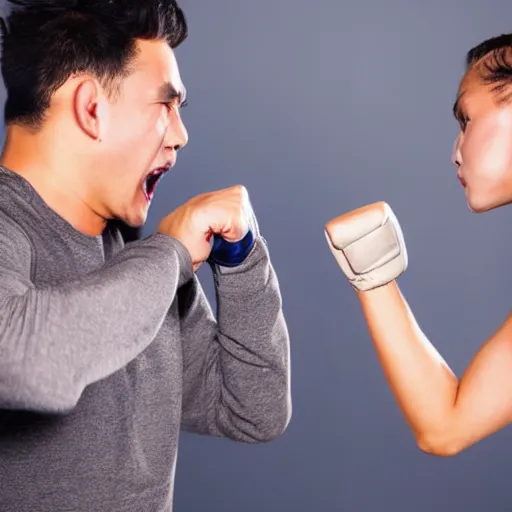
89,108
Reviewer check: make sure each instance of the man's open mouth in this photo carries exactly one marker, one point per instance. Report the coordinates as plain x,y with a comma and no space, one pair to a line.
152,180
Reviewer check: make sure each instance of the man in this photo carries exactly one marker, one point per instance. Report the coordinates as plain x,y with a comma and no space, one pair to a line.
446,415
108,350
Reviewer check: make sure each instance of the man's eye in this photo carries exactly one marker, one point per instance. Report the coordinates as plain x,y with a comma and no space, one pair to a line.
173,105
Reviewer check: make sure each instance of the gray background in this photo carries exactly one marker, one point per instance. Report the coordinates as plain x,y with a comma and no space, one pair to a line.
320,107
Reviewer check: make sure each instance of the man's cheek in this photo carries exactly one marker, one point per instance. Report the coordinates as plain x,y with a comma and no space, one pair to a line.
162,125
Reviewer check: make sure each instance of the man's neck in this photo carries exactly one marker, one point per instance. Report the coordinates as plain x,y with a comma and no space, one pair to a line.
27,154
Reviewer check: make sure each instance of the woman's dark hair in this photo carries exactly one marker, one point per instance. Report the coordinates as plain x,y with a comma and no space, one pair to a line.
494,58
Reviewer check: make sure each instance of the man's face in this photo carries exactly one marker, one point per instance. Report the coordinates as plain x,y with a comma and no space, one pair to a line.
483,149
141,134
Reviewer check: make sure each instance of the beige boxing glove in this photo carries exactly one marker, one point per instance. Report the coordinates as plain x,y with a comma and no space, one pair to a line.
368,245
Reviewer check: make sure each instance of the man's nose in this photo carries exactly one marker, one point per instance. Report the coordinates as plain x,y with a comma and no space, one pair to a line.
178,136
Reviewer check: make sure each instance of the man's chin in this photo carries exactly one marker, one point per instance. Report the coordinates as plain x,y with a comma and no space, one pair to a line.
136,219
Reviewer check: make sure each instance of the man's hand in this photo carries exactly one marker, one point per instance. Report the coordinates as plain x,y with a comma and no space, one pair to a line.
225,212
368,245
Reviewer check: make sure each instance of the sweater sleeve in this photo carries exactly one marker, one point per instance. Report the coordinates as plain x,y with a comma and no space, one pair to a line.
56,340
237,365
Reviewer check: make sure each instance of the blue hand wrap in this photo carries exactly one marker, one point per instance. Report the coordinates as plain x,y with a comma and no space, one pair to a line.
231,254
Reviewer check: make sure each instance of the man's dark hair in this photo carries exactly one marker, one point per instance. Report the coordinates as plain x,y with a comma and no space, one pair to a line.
494,57
44,42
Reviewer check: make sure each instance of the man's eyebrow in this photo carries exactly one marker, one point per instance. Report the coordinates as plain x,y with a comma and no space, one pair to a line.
169,93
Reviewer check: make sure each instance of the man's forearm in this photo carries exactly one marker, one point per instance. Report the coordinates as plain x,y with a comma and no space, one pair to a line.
255,358
236,371
423,384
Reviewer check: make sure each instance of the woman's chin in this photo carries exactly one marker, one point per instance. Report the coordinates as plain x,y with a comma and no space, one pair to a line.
482,202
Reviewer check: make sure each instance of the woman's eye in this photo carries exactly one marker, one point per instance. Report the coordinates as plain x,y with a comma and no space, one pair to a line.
463,120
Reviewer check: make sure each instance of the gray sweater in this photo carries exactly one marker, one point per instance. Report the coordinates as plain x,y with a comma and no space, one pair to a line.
107,351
